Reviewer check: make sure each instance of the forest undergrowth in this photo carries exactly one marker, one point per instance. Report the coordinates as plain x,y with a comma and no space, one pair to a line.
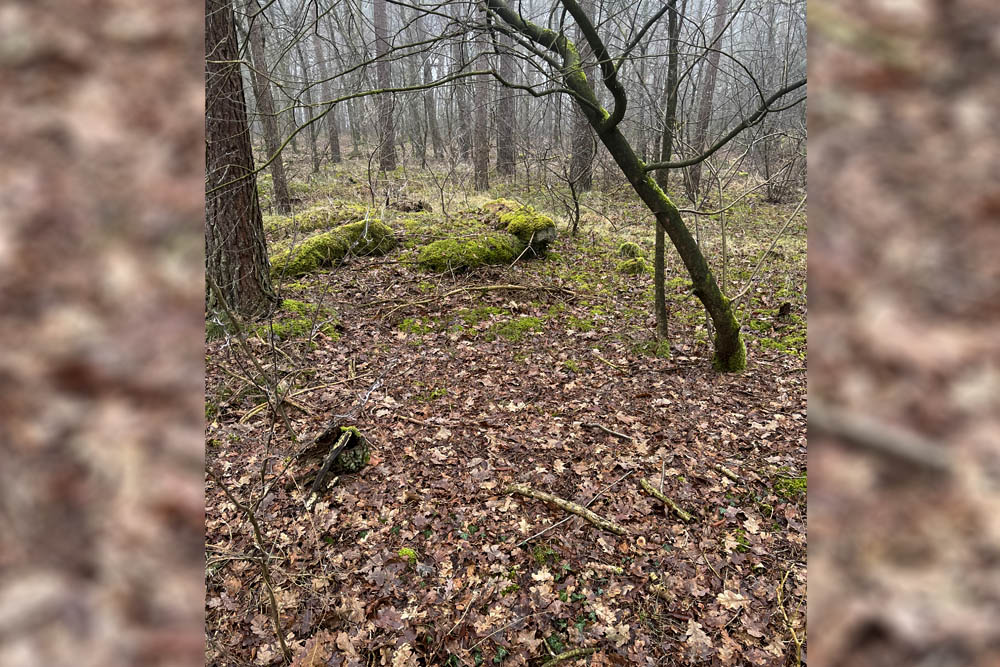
543,373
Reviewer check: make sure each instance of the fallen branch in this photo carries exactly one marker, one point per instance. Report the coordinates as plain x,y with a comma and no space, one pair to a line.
613,365
879,437
727,472
257,408
575,653
562,521
568,506
608,430
666,501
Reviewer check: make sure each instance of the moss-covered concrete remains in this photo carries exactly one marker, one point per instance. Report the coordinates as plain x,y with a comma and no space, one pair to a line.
312,219
629,250
633,267
460,255
368,237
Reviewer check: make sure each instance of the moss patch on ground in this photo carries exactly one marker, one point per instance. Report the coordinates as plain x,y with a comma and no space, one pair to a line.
370,237
296,319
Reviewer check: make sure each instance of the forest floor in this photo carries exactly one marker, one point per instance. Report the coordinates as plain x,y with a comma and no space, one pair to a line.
543,373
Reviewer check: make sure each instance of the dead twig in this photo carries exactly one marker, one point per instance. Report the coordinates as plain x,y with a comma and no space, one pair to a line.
608,430
575,653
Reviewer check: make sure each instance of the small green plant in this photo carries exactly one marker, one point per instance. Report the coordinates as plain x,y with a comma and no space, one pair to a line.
543,554
501,654
507,590
408,554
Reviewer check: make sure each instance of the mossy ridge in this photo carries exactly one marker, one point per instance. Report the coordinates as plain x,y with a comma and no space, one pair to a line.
368,237
629,250
325,216
461,255
633,267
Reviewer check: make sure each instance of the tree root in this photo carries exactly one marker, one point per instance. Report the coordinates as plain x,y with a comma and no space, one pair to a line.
568,506
684,516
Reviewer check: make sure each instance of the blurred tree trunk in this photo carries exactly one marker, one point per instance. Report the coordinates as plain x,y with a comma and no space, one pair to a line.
581,168
235,250
307,94
663,176
332,129
505,111
707,96
265,107
481,140
430,111
387,142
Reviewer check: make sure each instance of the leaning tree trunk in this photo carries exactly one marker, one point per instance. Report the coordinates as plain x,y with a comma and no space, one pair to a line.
707,96
235,251
265,107
332,129
730,352
663,176
387,142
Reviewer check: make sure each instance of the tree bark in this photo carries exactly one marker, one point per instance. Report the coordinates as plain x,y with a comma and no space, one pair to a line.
265,107
332,129
235,250
430,111
707,96
387,142
458,54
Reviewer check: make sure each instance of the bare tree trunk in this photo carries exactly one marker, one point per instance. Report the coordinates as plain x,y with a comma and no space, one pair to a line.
265,107
387,142
663,176
332,129
459,57
235,250
505,111
707,95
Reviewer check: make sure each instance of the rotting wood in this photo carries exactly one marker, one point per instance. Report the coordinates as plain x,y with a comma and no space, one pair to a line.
568,506
575,653
651,490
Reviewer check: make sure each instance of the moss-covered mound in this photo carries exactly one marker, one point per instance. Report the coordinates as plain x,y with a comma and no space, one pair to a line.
531,227
326,216
629,250
460,255
370,237
633,267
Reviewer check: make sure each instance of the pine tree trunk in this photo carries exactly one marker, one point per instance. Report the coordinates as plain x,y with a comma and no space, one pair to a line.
235,250
387,140
265,107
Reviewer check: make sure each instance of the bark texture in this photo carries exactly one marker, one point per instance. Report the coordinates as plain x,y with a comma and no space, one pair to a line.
235,251
707,96
387,140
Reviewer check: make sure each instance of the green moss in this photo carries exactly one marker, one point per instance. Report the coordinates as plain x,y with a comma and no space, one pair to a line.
793,344
544,554
734,364
326,216
633,267
458,255
515,330
629,250
654,348
791,488
370,237
572,365
529,227
475,315
414,326
300,324
408,554
580,324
